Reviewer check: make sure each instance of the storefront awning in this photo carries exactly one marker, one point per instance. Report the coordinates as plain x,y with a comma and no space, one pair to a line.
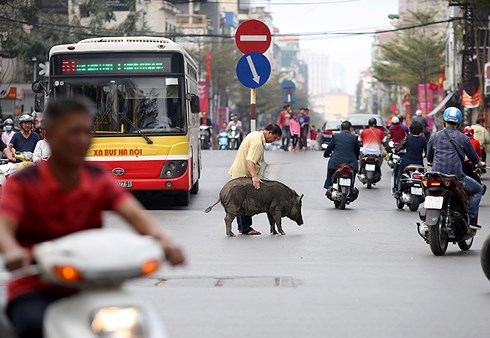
442,104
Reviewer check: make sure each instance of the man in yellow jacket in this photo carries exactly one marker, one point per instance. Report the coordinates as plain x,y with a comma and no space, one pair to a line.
482,135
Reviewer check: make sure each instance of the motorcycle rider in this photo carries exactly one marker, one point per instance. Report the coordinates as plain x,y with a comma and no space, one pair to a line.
8,131
206,121
470,132
73,195
26,139
422,120
372,139
235,122
397,132
345,149
446,151
482,135
415,146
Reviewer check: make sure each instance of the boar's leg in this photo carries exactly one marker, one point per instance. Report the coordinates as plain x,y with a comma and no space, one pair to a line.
278,219
228,220
272,222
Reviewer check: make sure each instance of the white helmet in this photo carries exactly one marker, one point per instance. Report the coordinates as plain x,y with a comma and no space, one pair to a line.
418,112
395,120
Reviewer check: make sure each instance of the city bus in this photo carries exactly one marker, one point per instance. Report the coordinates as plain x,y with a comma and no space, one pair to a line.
144,94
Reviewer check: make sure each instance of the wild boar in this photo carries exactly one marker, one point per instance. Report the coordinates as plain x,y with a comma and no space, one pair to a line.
239,197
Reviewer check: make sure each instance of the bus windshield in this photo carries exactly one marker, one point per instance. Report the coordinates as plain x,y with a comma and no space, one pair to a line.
130,105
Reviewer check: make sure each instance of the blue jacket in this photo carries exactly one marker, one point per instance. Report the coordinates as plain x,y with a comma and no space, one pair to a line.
345,148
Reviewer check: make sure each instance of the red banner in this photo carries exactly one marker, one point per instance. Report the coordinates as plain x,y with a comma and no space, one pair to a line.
203,93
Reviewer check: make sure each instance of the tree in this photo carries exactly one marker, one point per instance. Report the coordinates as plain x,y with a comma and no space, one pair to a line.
414,57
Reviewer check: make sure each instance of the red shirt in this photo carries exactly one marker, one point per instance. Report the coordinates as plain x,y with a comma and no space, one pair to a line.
476,144
397,133
313,134
43,210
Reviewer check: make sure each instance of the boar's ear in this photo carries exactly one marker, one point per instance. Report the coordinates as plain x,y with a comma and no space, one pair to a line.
301,197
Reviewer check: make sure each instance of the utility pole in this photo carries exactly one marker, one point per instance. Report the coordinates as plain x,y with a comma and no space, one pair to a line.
468,52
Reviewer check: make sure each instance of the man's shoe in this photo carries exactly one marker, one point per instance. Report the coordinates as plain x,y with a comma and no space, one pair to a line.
474,224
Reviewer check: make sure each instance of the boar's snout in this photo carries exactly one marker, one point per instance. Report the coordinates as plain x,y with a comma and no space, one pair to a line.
300,222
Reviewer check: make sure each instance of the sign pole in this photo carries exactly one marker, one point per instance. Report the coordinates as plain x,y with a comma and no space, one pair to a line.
253,111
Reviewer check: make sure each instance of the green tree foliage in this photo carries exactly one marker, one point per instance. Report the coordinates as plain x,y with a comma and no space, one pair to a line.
413,57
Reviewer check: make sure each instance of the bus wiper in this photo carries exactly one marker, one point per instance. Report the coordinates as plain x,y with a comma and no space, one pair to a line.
138,130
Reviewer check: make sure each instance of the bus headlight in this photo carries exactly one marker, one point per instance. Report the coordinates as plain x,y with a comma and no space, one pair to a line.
173,169
118,322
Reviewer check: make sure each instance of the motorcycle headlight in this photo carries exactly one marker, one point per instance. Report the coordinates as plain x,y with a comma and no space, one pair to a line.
118,322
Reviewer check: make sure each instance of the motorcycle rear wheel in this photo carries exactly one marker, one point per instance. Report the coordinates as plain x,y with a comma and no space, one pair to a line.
343,202
485,258
399,204
466,245
336,204
414,206
438,240
369,183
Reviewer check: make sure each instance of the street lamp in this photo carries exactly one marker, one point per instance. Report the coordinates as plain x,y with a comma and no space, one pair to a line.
396,16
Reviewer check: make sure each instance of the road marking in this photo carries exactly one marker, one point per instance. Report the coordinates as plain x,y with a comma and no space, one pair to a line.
255,75
252,38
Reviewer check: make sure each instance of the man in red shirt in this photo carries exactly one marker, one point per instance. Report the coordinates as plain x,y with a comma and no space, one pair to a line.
55,198
397,132
284,118
470,132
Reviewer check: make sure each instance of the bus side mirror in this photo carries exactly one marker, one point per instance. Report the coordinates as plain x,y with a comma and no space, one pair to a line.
195,106
40,88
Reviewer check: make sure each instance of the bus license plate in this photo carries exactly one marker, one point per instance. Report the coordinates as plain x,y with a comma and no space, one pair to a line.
416,191
125,184
370,167
345,182
433,202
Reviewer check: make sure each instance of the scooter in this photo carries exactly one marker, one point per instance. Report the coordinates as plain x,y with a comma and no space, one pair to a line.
410,190
223,140
6,169
205,137
97,262
444,215
233,138
370,171
392,156
343,191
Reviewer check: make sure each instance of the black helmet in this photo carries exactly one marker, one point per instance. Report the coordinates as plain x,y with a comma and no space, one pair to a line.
372,122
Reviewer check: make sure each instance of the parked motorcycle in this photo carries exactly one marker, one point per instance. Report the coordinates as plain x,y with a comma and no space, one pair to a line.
343,191
485,258
370,171
205,137
444,215
223,140
97,262
233,138
392,156
410,190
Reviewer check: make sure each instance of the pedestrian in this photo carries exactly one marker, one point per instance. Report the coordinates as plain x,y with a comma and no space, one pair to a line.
247,163
313,137
304,123
482,135
295,131
284,121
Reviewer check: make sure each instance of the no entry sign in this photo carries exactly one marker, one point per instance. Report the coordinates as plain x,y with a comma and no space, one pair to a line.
253,36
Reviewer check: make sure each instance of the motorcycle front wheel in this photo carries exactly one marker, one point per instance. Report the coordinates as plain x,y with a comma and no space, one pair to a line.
399,204
438,240
485,258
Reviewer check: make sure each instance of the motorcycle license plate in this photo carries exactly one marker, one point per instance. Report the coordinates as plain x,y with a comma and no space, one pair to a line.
416,191
345,181
125,184
370,167
433,202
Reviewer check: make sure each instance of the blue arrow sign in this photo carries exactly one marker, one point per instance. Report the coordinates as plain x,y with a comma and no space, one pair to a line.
253,70
288,87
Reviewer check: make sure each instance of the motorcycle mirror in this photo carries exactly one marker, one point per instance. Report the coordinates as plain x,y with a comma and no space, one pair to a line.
195,104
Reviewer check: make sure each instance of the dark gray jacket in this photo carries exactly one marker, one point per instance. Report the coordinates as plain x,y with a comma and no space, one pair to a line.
345,148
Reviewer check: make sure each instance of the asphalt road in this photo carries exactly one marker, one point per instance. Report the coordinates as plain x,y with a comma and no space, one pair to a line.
359,272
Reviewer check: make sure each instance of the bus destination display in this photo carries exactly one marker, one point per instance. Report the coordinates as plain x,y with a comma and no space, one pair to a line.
83,65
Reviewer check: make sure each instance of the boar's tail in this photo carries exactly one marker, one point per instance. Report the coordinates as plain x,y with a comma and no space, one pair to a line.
211,207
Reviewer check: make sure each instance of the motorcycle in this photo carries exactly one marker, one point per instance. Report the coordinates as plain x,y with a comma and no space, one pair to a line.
370,171
223,140
410,190
205,137
392,156
6,169
444,214
485,258
97,262
233,138
343,191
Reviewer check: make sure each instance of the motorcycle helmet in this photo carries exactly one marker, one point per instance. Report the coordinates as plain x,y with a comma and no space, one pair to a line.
372,122
468,131
25,118
395,120
9,121
453,114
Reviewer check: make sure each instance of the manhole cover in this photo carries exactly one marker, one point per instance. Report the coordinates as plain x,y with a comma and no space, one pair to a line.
228,282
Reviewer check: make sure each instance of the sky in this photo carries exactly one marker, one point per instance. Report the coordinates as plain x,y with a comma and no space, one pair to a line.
347,55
